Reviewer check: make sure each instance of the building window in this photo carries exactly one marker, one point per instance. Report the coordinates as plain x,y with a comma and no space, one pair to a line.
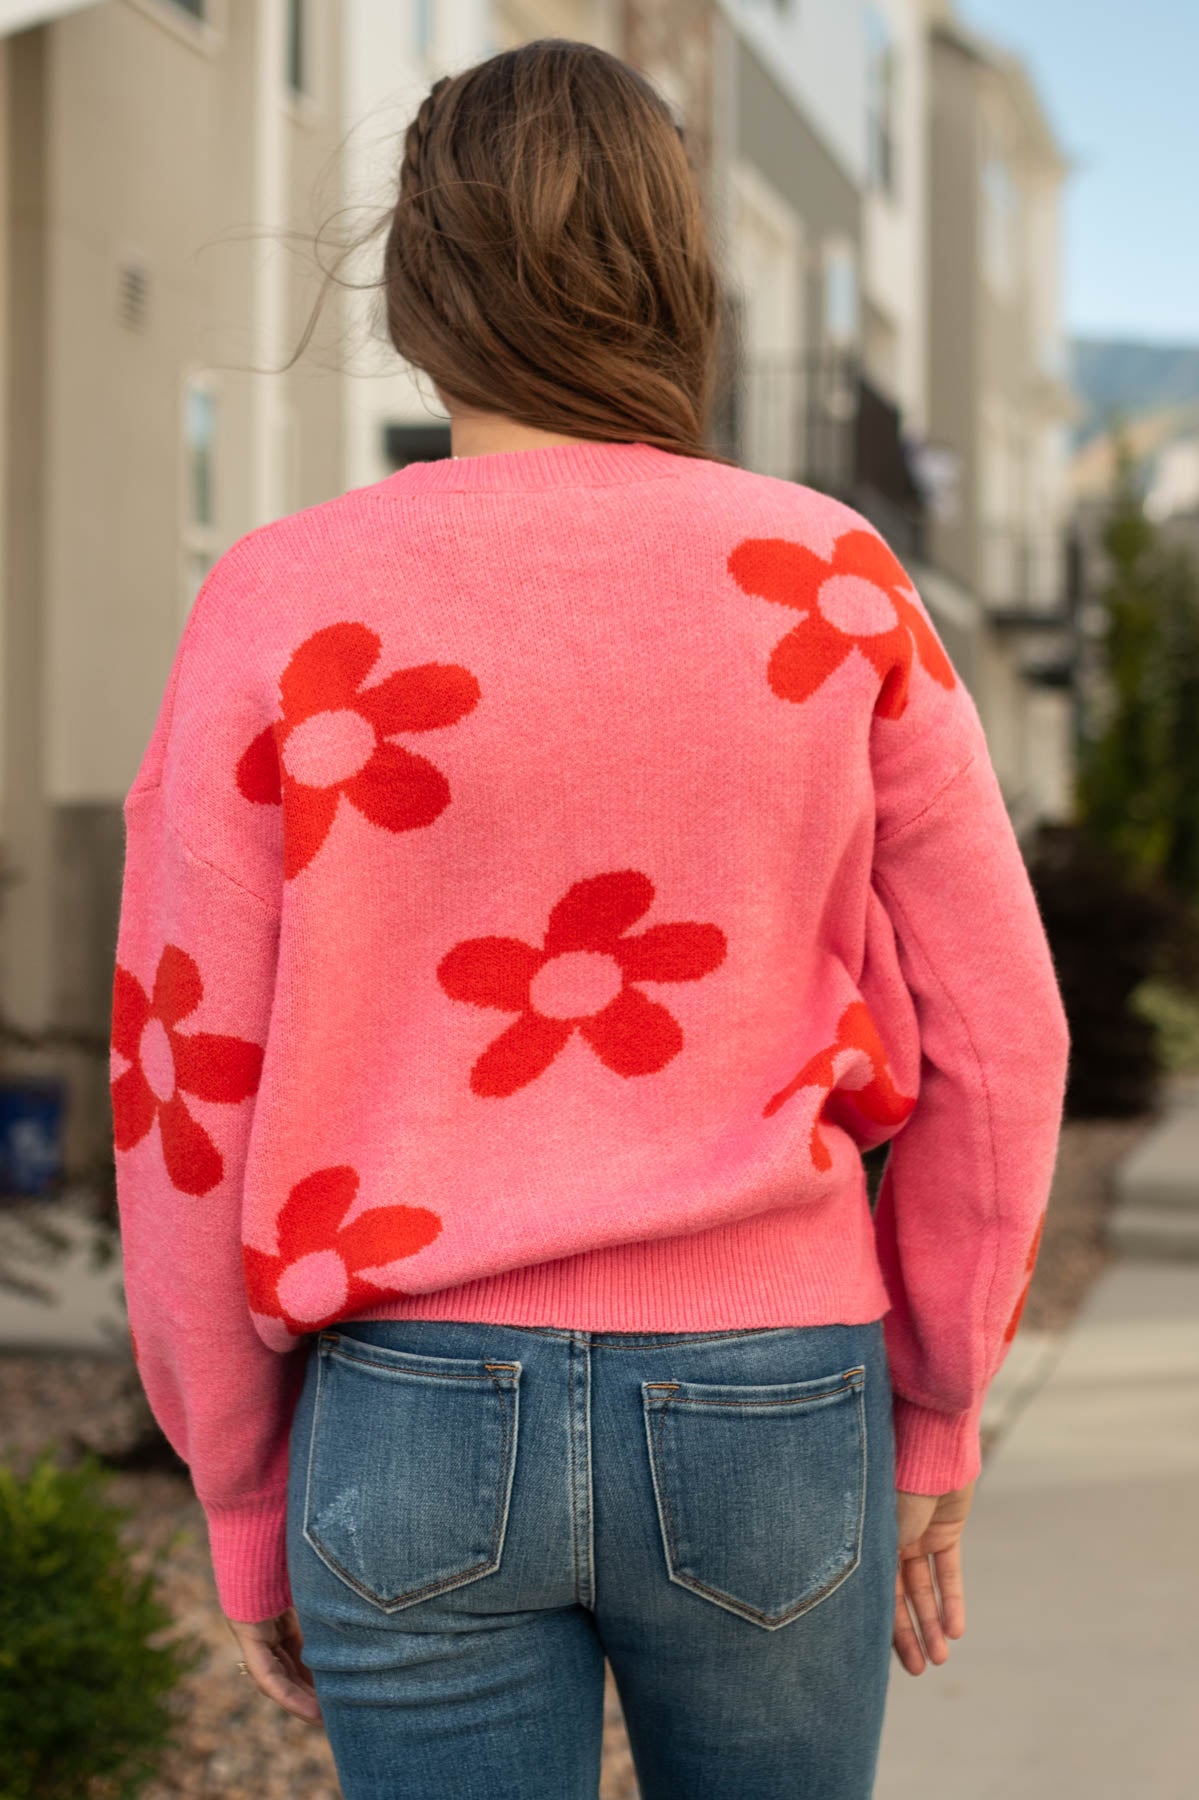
297,46
882,81
200,546
199,432
422,26
881,103
840,294
1000,202
201,24
404,444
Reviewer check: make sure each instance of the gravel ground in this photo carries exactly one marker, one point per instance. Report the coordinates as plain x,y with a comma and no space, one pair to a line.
232,1742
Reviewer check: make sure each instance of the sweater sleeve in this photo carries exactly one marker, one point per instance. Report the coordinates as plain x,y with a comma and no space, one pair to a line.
192,992
964,1191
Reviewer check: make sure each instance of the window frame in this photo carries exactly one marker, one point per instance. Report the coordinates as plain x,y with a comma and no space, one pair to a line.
839,252
199,539
426,9
305,105
882,103
208,33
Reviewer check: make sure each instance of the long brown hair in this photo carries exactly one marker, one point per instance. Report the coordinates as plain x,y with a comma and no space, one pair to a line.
547,257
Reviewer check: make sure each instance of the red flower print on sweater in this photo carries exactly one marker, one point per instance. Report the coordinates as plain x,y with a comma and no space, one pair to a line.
166,1063
582,978
1030,1264
315,1278
860,598
854,1074
334,739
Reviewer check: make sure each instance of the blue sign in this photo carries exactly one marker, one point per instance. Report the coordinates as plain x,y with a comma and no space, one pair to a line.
32,1117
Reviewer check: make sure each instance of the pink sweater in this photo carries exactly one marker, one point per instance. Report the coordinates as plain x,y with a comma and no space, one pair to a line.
548,871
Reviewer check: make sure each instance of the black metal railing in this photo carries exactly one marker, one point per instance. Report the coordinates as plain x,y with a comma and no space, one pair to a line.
815,418
1026,576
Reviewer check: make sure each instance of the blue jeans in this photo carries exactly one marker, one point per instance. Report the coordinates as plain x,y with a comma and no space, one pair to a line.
479,1514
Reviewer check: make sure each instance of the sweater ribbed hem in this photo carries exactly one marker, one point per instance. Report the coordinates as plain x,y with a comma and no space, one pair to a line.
249,1557
813,1264
597,464
935,1452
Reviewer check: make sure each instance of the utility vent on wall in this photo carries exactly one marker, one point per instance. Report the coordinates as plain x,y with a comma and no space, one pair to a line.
133,294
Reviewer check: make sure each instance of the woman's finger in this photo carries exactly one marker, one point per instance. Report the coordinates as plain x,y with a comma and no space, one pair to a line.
295,1670
953,1596
918,1579
270,1674
292,1645
907,1646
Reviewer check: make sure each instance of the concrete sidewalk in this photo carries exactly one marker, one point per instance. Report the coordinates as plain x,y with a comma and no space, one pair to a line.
1157,1185
1078,1674
80,1306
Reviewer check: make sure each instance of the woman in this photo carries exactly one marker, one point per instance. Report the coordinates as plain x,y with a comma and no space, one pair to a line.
551,867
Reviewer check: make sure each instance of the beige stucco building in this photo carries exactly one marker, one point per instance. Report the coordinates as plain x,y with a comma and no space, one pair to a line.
153,153
999,403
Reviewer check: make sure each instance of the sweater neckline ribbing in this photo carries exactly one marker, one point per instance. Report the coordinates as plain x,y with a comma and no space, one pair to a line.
579,463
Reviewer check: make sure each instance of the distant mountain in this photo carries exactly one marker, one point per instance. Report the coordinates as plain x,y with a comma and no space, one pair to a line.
1121,375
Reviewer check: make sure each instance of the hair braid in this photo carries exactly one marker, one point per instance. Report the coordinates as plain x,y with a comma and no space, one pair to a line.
416,140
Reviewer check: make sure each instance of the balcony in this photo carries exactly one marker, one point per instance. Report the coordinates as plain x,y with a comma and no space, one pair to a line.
816,419
1030,583
1027,578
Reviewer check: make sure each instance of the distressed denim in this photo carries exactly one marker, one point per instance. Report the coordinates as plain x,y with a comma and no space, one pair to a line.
479,1515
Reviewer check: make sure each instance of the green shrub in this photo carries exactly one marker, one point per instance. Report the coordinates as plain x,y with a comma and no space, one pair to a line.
1110,929
83,1689
1174,1014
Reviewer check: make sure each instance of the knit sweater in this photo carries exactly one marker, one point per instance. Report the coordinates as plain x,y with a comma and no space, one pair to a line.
549,870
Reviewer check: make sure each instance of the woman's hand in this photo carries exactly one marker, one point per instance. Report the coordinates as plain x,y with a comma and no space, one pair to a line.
929,1526
272,1650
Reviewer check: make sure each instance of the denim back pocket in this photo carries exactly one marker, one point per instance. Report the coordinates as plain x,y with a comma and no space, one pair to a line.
410,1468
761,1491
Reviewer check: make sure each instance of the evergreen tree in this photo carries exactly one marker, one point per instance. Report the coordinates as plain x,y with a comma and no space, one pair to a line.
1180,657
1137,787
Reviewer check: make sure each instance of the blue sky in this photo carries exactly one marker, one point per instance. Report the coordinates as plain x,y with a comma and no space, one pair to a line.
1120,82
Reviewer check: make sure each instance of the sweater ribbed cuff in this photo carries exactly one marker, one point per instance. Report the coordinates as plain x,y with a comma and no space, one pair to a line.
249,1557
935,1452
